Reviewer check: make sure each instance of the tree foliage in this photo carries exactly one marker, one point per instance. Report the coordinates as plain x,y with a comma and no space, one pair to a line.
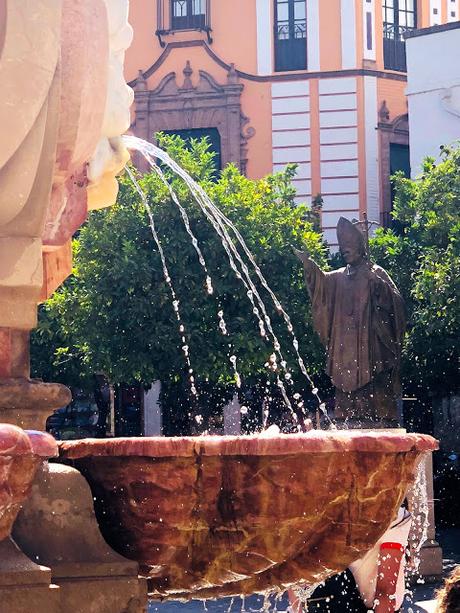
424,260
114,314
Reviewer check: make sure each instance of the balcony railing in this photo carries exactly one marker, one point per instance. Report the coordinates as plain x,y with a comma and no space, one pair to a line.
291,45
394,46
177,15
187,15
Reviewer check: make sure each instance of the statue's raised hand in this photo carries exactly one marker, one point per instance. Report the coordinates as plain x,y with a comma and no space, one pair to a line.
303,256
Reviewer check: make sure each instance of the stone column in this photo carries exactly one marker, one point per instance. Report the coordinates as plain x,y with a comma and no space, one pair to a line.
25,402
152,411
431,553
232,417
141,126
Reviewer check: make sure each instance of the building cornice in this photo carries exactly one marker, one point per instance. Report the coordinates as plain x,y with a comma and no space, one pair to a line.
443,27
290,76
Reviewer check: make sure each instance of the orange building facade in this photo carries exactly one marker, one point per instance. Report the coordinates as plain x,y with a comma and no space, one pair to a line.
316,82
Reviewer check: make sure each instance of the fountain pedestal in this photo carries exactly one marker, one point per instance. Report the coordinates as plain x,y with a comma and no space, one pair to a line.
61,150
431,553
57,528
24,584
25,402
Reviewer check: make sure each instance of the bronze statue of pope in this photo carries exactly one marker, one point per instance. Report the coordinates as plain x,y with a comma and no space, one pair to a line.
358,314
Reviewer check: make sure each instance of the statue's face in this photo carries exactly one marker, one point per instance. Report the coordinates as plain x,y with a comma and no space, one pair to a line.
351,253
111,154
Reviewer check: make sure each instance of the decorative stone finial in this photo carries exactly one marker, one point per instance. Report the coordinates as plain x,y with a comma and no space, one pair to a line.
384,113
187,76
141,82
232,75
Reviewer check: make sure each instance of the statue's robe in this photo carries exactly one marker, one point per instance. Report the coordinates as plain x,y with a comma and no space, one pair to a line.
360,320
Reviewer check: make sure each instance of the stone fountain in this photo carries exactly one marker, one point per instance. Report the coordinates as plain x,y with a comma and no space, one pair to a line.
197,517
64,108
223,516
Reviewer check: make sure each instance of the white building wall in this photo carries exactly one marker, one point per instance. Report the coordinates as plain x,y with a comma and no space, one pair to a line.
313,30
152,410
291,132
452,10
433,91
372,149
348,33
338,120
264,36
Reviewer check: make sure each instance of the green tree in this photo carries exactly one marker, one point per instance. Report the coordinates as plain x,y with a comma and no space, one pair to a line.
424,260
114,314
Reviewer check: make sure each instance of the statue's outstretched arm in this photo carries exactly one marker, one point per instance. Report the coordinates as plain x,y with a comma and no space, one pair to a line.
309,265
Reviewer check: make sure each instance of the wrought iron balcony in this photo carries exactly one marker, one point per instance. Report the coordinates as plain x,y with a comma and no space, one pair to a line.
394,46
177,15
291,45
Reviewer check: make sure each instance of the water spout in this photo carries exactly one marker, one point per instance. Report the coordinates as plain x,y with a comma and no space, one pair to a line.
231,239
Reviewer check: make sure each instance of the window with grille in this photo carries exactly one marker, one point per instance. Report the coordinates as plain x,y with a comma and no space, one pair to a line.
213,136
188,14
399,17
290,35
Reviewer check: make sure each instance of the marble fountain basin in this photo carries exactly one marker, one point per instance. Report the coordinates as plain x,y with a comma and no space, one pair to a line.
214,516
21,453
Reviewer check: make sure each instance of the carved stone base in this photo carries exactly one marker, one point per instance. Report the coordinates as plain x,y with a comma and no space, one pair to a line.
57,527
28,402
431,561
25,586
431,552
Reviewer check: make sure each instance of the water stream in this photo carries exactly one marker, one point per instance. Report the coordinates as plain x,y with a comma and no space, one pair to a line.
418,534
239,262
175,301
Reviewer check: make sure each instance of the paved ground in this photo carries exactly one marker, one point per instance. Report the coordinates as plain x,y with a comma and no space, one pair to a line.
420,601
223,605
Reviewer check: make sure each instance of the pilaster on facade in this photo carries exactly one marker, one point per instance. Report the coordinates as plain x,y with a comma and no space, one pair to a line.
291,132
264,16
369,34
339,155
313,35
348,34
395,132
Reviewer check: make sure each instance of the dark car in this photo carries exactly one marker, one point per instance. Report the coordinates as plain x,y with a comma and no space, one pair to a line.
76,420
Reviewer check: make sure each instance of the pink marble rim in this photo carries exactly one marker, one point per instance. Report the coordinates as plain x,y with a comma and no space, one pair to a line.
13,441
282,444
43,444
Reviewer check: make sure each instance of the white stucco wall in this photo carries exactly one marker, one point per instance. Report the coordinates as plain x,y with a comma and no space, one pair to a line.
433,90
152,411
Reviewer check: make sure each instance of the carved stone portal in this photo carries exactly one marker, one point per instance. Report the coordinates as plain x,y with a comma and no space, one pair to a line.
391,132
205,105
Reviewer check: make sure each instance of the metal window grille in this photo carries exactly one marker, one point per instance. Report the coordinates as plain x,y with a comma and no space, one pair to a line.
290,35
399,17
188,14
